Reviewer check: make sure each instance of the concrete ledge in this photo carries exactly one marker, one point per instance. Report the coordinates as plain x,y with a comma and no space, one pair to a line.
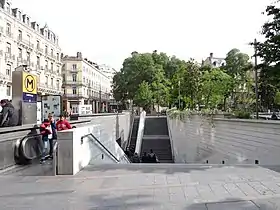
30,126
248,121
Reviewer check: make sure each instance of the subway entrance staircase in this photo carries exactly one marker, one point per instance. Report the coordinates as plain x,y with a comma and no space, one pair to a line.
156,137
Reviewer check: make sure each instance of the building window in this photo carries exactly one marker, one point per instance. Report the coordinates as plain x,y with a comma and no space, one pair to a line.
57,85
8,7
52,67
19,52
74,77
9,90
51,52
46,81
74,66
8,29
84,80
27,21
19,35
57,70
46,49
19,15
8,70
46,65
28,56
74,90
64,91
51,82
8,48
28,38
38,61
38,44
57,56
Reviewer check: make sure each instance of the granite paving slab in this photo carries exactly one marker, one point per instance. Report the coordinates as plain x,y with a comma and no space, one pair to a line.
140,186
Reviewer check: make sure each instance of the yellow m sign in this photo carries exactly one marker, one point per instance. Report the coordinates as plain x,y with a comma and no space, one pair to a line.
29,83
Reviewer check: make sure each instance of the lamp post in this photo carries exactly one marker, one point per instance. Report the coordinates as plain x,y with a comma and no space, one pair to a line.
256,79
179,83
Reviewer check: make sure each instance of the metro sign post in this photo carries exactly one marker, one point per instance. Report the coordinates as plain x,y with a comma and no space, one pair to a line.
29,87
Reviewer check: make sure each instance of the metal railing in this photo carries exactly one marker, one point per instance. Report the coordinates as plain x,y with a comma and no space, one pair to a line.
103,147
55,159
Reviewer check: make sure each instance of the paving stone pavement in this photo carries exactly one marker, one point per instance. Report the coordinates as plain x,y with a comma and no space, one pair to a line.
137,186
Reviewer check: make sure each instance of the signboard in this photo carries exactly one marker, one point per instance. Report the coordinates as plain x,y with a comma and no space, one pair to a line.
52,104
29,83
29,98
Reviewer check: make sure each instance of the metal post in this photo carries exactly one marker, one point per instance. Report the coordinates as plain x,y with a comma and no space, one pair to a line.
256,80
100,99
179,94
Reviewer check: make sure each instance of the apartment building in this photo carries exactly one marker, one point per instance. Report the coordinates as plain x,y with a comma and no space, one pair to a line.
84,84
24,42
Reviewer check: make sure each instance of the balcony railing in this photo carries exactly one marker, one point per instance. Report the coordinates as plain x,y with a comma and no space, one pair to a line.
9,56
25,42
9,34
39,50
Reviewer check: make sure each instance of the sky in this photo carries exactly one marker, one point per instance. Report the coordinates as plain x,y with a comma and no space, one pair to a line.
107,31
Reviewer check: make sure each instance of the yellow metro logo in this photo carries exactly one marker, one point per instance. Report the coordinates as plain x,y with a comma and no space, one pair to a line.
29,83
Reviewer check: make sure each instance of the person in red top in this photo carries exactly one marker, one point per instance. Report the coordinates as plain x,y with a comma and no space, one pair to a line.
62,124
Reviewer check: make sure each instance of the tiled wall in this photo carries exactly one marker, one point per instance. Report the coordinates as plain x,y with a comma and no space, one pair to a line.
234,141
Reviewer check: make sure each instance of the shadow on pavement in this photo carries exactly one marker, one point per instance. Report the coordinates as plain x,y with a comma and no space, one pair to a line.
238,204
114,201
148,168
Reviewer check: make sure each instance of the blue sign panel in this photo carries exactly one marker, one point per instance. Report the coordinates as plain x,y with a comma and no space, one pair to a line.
29,98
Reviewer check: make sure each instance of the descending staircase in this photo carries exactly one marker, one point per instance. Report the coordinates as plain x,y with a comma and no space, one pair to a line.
132,142
156,138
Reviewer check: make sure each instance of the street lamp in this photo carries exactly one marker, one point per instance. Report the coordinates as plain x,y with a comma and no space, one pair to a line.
179,83
256,79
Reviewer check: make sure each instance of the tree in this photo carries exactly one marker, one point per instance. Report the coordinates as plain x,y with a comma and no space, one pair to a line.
239,67
215,84
144,95
135,70
269,53
277,99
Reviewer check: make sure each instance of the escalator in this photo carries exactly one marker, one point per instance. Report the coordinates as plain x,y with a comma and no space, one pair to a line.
156,137
132,142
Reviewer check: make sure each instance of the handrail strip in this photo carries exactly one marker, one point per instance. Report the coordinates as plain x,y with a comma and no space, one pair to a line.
130,132
55,156
112,155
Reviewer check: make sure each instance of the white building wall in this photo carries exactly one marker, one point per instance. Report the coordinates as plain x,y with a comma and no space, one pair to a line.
21,43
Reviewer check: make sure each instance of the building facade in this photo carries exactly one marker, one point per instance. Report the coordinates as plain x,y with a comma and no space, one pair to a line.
214,61
24,42
84,84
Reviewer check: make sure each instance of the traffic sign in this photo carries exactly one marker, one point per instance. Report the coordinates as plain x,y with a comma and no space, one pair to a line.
29,83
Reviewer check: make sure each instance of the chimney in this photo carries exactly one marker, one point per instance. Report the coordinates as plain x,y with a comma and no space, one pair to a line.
211,55
79,55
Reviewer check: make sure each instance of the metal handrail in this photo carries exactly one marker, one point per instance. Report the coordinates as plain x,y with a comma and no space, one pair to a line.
23,142
55,158
111,154
102,145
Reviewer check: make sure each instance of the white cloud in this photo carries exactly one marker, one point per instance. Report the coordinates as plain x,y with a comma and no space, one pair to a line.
107,31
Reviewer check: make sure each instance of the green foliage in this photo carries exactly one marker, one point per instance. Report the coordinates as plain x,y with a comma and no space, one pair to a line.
215,85
268,51
144,95
277,98
156,78
242,114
